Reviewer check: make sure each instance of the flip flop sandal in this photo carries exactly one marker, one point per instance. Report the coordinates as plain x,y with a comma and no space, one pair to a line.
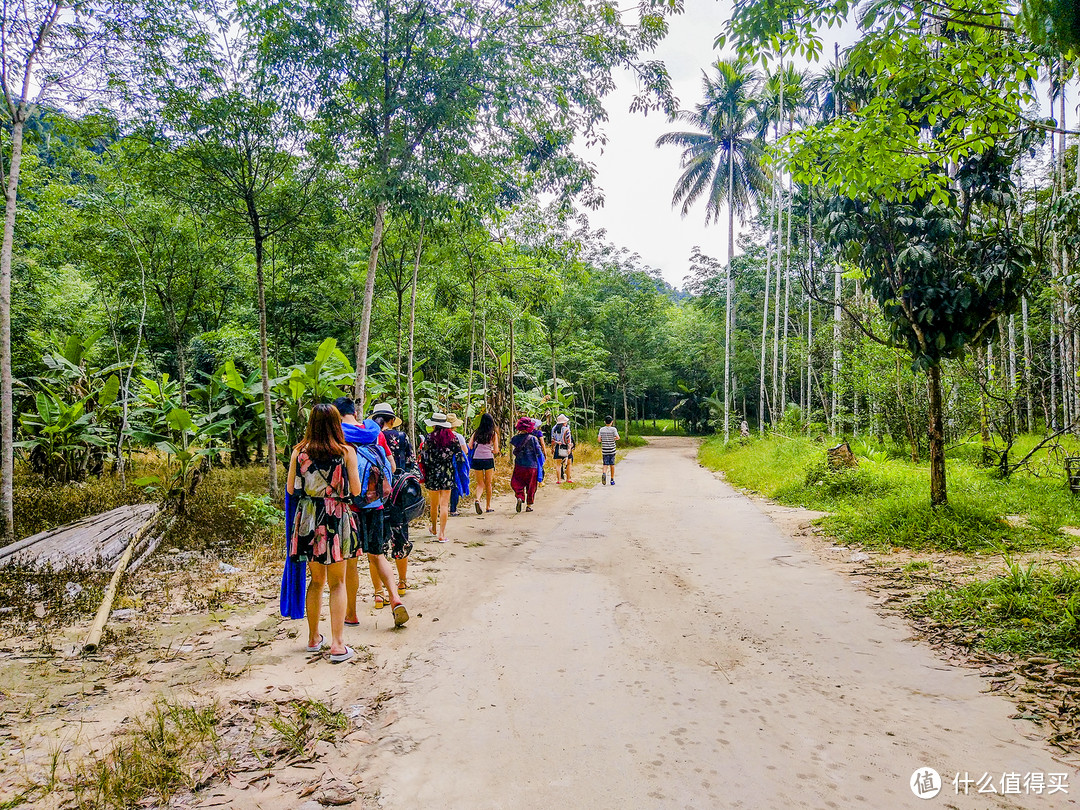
352,624
490,511
519,503
479,509
528,508
401,615
402,586
380,601
341,658
317,647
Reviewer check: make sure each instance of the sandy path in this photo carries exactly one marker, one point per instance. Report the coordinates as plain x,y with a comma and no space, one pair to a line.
662,644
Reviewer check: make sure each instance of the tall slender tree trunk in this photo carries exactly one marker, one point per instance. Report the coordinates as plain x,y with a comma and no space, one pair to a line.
554,385
472,357
809,359
777,411
398,330
1027,364
1053,426
483,359
1014,379
729,309
412,337
984,411
360,385
7,413
782,404
510,381
764,341
938,491
625,408
264,365
810,307
837,313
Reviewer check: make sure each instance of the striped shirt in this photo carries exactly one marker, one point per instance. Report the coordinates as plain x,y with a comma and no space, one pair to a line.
608,436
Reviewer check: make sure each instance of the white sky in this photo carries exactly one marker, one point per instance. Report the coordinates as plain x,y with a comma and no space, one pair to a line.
637,178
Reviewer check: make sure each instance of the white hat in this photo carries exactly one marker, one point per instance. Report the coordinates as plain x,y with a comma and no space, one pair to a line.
437,420
386,410
562,420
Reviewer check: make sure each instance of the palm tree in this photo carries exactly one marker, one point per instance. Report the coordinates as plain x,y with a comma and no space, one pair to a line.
721,163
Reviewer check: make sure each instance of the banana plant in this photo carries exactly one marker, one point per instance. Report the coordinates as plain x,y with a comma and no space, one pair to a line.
186,444
62,439
328,376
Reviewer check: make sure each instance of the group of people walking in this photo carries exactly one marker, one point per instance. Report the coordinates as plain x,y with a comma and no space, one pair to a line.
343,473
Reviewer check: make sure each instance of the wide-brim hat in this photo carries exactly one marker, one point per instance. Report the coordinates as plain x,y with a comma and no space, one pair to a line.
385,410
563,419
438,420
455,420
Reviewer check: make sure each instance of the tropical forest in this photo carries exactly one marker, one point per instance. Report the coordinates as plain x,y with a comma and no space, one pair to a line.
224,217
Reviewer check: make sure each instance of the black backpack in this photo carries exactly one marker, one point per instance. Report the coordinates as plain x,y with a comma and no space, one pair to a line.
407,495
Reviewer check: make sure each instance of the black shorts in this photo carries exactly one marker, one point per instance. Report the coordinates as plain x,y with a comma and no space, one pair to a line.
483,464
609,459
373,536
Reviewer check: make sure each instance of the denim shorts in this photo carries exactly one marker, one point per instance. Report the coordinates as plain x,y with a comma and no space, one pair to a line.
609,459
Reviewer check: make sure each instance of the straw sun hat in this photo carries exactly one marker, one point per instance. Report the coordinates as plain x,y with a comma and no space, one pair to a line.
385,410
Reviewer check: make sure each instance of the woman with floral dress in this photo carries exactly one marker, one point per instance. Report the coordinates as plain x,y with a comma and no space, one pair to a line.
437,458
323,477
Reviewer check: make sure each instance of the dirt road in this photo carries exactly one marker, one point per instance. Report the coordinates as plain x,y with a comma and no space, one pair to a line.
661,644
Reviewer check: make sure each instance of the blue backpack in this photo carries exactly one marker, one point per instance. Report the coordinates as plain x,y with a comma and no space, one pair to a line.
375,475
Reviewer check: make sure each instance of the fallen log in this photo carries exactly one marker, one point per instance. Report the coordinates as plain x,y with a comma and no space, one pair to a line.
96,629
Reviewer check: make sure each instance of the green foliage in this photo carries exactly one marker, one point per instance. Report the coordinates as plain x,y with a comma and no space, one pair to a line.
842,482
942,271
163,755
257,512
213,520
940,93
1052,22
71,422
1030,609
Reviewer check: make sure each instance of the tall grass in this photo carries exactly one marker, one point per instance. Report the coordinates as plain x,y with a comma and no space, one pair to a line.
885,501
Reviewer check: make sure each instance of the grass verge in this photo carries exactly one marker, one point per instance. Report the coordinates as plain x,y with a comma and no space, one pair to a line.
884,502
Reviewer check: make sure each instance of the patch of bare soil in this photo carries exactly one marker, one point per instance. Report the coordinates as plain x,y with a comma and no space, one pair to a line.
191,631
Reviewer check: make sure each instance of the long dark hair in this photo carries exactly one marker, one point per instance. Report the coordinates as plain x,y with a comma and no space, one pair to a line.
324,439
485,431
442,437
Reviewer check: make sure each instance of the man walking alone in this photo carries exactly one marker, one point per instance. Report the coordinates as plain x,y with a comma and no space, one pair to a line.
608,435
